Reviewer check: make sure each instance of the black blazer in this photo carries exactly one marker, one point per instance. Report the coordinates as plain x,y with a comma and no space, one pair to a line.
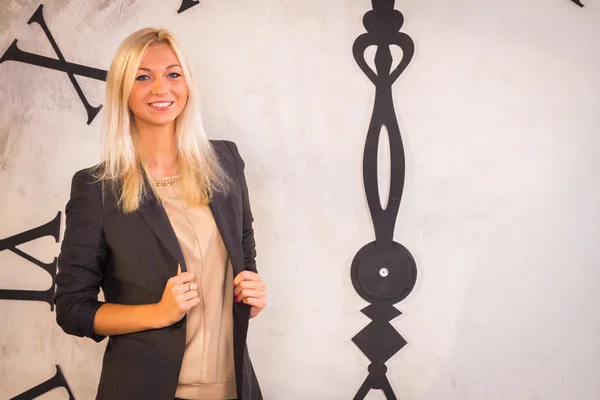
131,257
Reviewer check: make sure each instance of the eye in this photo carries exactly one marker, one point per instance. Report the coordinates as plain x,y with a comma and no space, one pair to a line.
174,75
142,78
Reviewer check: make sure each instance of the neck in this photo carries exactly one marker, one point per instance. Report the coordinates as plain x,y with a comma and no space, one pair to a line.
157,144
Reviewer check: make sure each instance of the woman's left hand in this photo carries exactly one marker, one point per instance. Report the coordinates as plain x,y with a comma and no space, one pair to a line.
249,289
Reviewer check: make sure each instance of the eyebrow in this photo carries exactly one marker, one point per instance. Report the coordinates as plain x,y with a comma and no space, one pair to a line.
169,67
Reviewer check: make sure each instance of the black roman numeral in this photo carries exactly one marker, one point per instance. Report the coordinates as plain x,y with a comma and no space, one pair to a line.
13,53
187,4
58,380
51,228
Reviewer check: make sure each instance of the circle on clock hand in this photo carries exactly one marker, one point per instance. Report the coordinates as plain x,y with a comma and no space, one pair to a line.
388,275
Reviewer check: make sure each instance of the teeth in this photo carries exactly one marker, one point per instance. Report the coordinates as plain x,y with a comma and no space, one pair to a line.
161,104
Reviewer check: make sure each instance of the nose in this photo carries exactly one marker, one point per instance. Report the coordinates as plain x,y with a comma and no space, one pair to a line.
160,87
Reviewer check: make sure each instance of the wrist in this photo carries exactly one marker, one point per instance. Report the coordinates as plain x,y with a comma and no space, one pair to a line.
155,316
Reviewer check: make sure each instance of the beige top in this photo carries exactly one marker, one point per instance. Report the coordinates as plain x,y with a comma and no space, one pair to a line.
207,371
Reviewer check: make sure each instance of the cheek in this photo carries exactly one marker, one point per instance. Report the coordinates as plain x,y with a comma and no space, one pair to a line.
135,100
186,97
182,90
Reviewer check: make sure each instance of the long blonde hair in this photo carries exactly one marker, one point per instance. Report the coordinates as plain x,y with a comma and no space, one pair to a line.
121,161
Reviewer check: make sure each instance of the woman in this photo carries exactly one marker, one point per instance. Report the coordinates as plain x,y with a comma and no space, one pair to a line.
163,225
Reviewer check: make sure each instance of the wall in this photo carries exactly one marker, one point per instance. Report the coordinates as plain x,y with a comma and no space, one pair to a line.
499,115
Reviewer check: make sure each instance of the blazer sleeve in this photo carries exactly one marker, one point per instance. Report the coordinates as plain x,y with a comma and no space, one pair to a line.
82,257
248,242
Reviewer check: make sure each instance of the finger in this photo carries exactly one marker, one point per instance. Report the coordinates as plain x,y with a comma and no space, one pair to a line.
193,302
249,276
182,278
186,287
246,276
254,302
249,293
250,284
188,304
254,285
187,296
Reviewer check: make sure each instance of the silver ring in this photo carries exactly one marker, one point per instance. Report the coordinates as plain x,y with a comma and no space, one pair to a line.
190,287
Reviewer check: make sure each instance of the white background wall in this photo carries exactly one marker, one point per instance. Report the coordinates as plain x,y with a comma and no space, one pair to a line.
499,111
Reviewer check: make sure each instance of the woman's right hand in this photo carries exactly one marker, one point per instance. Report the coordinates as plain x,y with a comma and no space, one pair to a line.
179,296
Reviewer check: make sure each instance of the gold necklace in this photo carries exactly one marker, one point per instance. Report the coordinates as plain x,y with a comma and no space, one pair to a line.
167,182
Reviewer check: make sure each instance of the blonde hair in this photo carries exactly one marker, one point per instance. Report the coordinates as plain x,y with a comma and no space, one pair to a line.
121,162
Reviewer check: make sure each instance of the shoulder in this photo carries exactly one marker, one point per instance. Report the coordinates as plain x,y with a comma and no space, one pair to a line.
224,146
227,149
86,175
89,176
86,182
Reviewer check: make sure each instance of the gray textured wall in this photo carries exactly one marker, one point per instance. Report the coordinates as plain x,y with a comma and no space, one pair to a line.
499,112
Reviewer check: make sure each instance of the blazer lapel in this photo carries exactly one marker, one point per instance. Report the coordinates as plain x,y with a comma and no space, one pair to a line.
225,223
156,218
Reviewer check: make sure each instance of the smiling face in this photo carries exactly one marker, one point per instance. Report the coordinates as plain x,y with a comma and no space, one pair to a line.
160,91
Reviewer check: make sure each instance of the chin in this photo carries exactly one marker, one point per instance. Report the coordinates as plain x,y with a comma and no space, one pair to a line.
160,121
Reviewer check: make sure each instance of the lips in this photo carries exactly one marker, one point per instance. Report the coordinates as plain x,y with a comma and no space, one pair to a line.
161,105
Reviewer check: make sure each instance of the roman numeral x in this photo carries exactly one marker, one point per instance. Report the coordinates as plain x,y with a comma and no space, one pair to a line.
13,53
51,228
